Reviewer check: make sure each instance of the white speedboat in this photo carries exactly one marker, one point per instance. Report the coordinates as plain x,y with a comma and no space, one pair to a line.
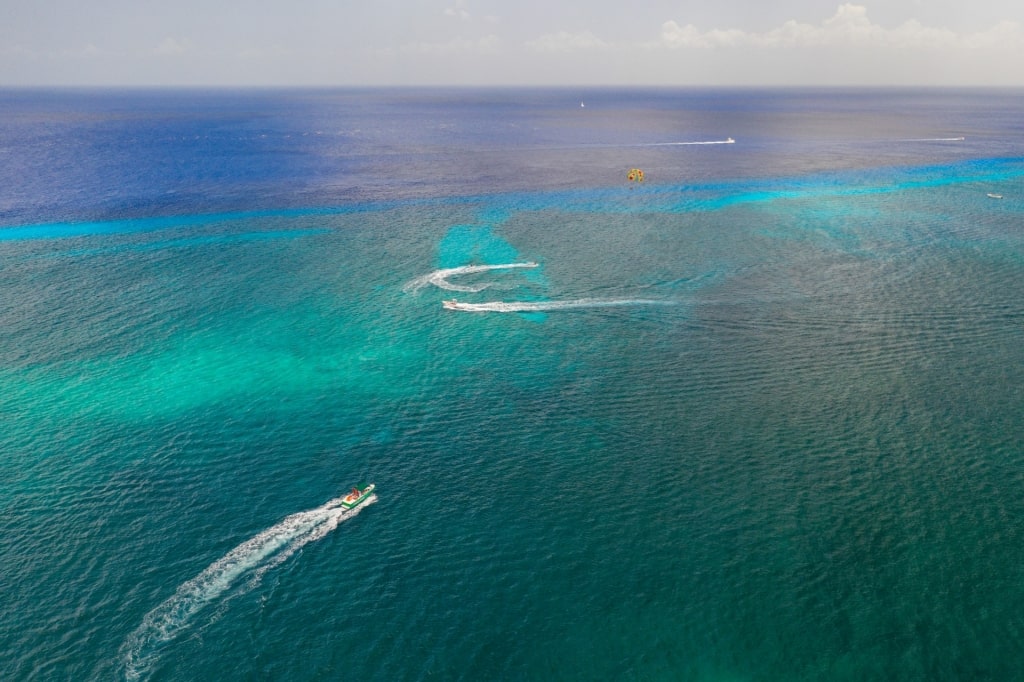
479,307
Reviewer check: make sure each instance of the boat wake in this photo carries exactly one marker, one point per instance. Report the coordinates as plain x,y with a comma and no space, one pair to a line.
936,139
251,559
439,278
728,140
545,306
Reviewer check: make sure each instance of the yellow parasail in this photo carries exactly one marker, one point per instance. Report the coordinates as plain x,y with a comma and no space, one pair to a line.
635,175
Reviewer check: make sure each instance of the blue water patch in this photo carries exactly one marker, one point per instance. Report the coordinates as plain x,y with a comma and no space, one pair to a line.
136,225
191,242
497,208
474,244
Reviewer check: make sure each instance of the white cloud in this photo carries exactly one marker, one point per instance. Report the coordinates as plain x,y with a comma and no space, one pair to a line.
563,41
674,35
848,27
459,10
173,46
1005,34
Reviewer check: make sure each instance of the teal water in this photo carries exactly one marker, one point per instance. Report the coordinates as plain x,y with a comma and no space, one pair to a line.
748,428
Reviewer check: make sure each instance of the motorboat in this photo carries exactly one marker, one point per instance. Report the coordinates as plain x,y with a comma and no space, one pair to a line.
466,307
357,496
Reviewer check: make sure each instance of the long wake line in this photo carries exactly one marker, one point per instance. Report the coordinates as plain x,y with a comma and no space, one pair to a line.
544,306
253,558
683,144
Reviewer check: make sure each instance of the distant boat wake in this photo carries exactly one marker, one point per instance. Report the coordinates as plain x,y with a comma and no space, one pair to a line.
439,278
728,140
935,139
251,559
629,145
544,306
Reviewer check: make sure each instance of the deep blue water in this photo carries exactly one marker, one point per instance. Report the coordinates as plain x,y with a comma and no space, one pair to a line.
756,418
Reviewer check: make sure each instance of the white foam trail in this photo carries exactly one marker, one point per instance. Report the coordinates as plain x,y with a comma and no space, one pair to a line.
252,558
439,278
625,145
543,306
682,144
935,139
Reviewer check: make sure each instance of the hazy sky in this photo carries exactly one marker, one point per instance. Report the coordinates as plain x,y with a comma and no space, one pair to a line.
515,42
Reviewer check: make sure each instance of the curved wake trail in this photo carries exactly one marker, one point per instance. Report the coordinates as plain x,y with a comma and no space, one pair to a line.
439,278
252,559
544,306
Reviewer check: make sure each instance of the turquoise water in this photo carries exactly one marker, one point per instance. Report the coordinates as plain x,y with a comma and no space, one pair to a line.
745,424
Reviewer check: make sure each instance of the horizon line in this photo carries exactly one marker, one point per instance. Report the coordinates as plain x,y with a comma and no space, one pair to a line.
506,86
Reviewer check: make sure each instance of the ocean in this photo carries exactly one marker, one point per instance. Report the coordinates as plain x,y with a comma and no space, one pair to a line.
756,417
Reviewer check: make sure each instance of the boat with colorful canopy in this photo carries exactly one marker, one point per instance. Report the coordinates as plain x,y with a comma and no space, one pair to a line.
357,496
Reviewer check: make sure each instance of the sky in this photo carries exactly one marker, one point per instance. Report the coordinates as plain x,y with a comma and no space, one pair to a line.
511,42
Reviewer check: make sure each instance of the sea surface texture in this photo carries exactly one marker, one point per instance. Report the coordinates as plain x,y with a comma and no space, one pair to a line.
757,417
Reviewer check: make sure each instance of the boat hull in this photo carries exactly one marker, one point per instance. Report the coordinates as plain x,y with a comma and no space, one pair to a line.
351,501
